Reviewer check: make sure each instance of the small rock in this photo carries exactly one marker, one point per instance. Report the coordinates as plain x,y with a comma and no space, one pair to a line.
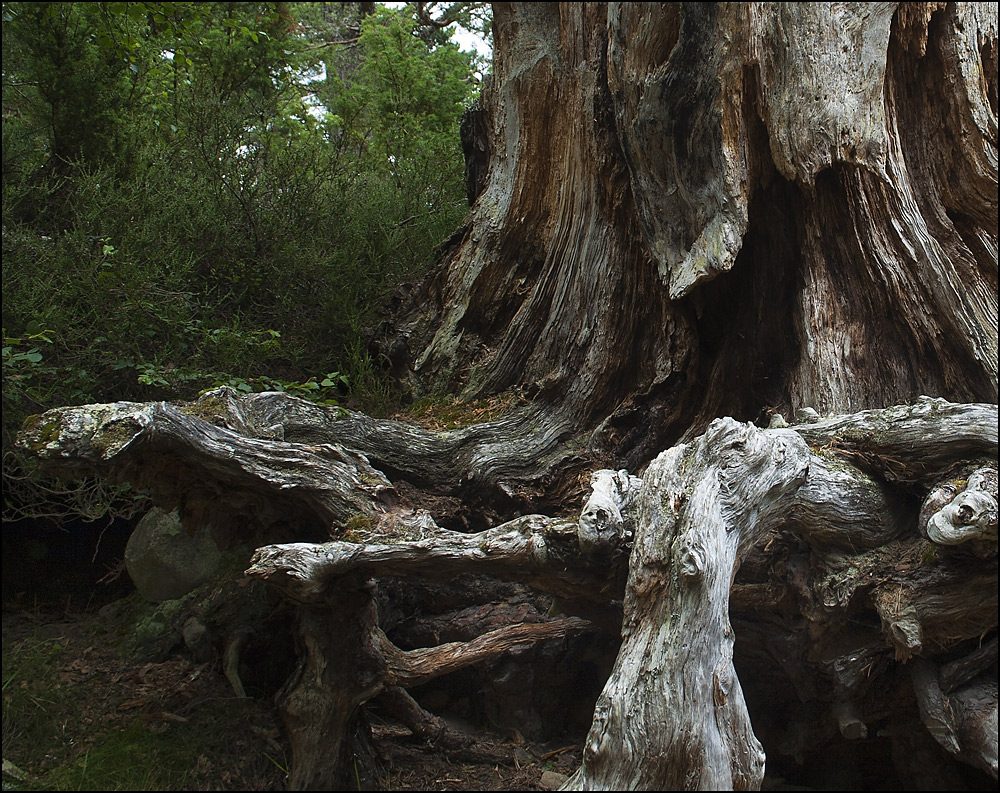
197,639
806,415
110,611
551,780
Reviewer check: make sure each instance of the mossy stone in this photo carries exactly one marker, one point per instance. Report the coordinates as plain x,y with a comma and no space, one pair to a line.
164,561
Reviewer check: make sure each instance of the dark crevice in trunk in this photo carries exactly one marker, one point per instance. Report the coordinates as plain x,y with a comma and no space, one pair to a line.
747,346
647,424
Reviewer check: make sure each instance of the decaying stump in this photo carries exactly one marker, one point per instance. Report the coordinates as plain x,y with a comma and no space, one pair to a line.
672,714
681,212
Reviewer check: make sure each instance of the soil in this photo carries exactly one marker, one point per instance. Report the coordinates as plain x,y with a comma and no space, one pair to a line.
234,743
80,710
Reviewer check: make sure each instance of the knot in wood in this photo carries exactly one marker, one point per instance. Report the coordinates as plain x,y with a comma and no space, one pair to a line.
605,520
596,736
951,516
692,561
721,685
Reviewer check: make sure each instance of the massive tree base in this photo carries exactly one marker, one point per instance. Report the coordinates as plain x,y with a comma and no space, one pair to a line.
856,554
681,212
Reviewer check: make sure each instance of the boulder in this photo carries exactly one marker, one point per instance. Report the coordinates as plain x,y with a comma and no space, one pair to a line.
164,561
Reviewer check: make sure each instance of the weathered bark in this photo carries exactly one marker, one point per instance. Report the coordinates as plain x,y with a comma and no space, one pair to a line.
339,669
681,212
672,716
839,162
698,509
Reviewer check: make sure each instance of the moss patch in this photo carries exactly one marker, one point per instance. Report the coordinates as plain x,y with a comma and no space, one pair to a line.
39,431
208,408
358,528
448,413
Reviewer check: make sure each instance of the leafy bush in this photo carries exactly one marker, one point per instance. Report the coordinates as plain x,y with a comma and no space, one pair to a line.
179,212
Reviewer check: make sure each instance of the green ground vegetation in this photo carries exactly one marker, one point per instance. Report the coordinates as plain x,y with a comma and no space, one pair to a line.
80,712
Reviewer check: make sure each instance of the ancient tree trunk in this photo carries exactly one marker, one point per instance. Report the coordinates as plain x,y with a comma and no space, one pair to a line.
694,210
693,225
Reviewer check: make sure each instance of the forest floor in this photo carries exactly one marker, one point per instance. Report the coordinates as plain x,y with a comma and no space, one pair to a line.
78,715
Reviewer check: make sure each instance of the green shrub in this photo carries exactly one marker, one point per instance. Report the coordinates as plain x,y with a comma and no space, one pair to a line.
202,226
